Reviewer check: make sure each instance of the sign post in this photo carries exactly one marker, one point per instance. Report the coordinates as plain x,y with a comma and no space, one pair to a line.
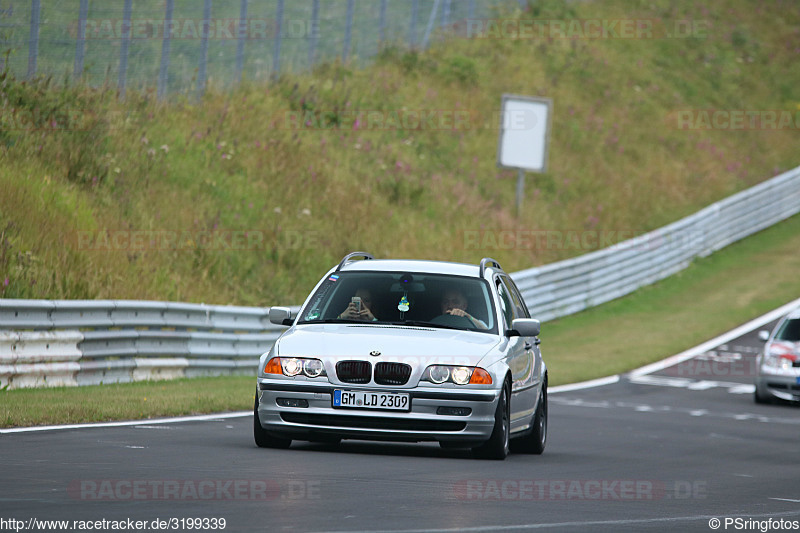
524,137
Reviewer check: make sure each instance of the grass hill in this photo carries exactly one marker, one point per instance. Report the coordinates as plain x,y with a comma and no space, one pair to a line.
247,196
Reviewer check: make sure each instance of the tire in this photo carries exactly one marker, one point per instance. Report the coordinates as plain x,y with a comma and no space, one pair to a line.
535,441
498,446
761,398
262,438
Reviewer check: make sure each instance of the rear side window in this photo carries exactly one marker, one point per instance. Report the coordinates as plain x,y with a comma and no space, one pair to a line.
507,307
521,310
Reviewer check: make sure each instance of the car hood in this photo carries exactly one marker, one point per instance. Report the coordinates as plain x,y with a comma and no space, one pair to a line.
784,346
394,343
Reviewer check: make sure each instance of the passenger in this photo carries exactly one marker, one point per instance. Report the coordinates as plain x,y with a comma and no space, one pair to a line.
455,303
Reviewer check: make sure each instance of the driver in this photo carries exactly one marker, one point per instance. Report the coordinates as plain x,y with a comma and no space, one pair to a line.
455,303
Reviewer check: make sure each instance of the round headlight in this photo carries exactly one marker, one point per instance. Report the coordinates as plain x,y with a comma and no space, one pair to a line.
439,374
778,362
785,363
313,368
291,367
461,375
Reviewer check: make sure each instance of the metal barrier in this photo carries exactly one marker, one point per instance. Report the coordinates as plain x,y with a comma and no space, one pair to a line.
108,341
89,342
566,287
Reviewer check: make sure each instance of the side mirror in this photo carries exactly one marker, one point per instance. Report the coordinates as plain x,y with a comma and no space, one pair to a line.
763,335
524,327
281,316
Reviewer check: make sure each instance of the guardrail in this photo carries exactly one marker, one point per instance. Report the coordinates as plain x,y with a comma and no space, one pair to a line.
566,287
90,342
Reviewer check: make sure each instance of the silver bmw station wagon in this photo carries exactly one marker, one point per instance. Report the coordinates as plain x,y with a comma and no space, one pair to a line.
407,350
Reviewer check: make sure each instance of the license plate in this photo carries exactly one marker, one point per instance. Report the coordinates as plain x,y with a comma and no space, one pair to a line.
371,400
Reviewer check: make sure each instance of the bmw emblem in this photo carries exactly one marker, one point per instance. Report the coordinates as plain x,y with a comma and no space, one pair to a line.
374,353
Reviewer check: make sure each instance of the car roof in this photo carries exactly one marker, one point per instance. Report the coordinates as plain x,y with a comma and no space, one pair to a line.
413,265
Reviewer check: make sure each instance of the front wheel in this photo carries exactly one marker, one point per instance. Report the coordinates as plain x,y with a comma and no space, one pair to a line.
498,445
262,438
760,397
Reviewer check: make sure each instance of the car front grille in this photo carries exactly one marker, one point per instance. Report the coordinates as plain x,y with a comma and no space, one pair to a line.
354,371
392,373
372,422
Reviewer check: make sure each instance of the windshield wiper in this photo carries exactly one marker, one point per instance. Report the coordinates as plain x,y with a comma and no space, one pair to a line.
423,323
335,321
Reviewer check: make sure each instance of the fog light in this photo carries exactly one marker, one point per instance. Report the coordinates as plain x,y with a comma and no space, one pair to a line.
454,411
292,402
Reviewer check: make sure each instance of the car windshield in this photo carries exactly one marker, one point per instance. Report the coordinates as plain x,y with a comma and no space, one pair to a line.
790,331
402,298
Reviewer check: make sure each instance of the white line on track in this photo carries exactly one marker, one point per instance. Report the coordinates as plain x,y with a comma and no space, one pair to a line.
639,373
722,339
197,418
573,524
584,385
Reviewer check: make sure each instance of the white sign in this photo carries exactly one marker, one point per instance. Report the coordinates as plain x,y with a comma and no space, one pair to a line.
524,133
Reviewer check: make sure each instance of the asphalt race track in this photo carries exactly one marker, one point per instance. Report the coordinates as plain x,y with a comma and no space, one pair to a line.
673,449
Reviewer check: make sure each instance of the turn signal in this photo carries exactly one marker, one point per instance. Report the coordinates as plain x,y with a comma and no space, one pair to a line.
273,366
480,377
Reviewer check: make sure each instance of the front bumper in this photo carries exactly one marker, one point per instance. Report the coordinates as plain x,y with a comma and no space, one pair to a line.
320,420
782,386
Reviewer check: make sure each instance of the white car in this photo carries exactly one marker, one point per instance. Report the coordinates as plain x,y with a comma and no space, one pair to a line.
778,365
407,350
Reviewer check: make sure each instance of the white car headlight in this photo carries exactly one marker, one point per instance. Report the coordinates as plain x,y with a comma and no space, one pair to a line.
291,366
780,362
460,375
439,373
294,366
313,368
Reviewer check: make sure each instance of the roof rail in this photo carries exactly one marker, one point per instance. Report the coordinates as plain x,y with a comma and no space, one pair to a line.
349,256
488,261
